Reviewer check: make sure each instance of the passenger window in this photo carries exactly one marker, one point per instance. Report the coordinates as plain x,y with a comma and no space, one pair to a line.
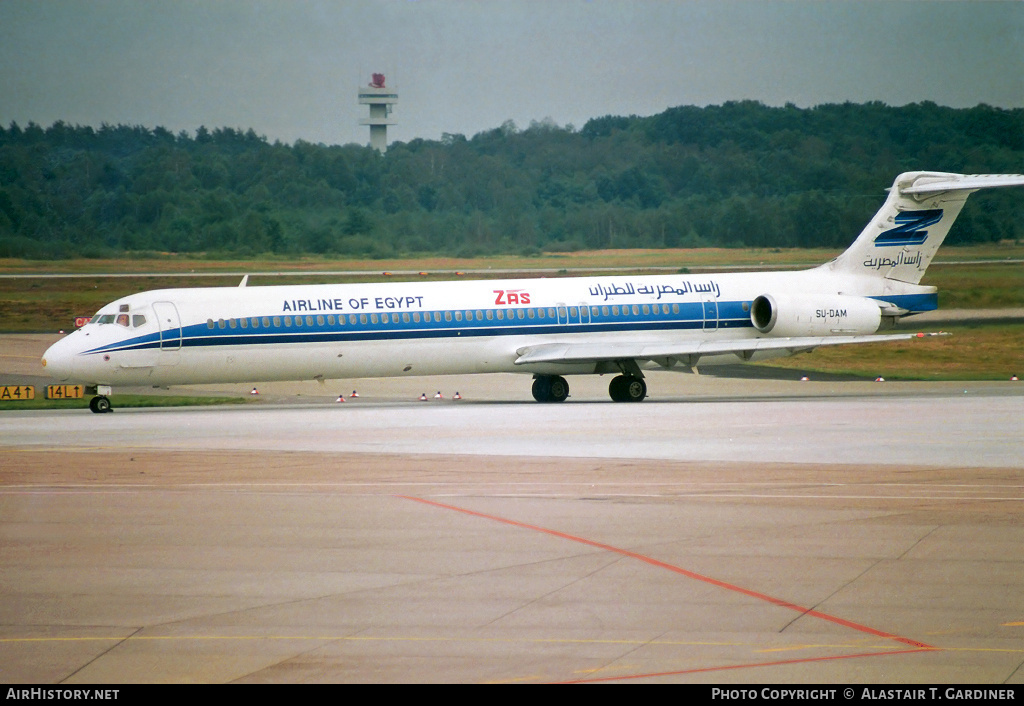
362,318
415,317
309,320
298,321
330,320
221,323
277,322
244,323
374,319
458,316
209,323
447,316
266,322
490,315
255,322
405,317
287,322
232,323
647,310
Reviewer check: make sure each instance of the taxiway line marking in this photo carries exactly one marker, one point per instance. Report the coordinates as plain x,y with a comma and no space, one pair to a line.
684,572
753,665
407,638
710,496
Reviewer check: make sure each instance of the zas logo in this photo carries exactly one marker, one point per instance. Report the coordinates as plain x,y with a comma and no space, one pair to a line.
507,297
910,228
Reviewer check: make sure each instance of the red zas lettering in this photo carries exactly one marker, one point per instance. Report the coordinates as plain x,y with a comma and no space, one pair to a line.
507,297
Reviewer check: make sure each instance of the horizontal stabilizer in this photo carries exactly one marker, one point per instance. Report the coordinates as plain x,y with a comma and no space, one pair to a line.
689,352
962,182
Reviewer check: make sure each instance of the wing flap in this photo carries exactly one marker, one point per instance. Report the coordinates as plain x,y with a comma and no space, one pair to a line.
570,353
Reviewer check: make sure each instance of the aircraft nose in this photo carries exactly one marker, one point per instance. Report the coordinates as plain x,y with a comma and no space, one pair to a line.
59,360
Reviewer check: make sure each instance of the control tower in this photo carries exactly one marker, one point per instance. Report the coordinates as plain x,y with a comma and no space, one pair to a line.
381,101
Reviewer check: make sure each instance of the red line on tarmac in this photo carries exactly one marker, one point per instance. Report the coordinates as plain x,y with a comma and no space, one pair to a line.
689,574
745,666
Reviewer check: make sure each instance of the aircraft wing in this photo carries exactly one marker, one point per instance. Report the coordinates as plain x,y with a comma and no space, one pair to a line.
690,352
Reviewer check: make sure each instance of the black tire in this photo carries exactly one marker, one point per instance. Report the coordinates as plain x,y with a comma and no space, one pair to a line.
550,388
542,389
99,405
615,390
635,389
626,388
558,389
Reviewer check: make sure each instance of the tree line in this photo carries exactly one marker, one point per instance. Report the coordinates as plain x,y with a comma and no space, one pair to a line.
738,174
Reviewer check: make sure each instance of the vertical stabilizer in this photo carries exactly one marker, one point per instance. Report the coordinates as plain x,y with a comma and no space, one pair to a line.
903,237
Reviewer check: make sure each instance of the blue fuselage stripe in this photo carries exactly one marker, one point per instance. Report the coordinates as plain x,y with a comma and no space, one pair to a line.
729,315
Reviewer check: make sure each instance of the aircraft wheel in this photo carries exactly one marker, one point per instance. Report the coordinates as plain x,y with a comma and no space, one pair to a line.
615,389
99,405
558,389
635,389
542,389
626,388
550,388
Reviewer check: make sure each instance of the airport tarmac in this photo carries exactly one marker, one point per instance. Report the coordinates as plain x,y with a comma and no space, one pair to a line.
726,530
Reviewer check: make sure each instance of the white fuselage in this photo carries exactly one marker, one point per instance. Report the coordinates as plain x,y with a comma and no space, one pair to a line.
303,332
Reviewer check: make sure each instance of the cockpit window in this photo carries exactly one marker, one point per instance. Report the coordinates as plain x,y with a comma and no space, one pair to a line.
138,320
122,320
103,319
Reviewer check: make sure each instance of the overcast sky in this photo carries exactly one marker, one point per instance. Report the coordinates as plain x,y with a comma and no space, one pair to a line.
290,69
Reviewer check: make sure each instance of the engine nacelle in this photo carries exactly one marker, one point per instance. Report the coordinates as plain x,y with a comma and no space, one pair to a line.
787,315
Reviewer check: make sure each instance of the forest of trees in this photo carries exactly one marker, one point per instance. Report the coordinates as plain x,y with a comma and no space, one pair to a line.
739,174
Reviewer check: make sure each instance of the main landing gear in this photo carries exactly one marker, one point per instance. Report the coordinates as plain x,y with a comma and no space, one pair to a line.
550,388
627,388
623,388
100,404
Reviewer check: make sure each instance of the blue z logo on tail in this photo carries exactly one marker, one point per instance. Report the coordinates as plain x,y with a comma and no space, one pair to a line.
910,228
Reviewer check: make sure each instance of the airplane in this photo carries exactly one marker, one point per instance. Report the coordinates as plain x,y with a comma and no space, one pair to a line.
547,328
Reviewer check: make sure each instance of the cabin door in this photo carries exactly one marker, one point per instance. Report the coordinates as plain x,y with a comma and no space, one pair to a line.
170,330
710,305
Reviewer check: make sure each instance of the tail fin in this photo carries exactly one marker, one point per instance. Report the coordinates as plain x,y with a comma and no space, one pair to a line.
901,240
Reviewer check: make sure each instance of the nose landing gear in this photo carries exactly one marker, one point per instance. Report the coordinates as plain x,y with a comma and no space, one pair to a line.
100,404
